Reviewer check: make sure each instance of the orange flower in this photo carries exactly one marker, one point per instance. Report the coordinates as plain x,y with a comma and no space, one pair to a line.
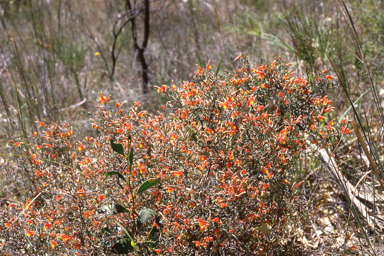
103,99
120,130
100,198
208,66
47,226
81,147
40,123
260,108
238,57
203,225
250,101
161,89
177,173
30,233
87,214
210,131
64,237
320,118
58,222
345,130
167,210
170,189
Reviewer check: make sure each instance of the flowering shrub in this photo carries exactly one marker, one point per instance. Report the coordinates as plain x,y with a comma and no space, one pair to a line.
215,176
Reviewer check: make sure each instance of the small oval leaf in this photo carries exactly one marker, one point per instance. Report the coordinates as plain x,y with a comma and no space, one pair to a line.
118,148
148,184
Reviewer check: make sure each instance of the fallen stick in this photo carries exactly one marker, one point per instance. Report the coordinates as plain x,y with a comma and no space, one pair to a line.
74,105
366,151
331,165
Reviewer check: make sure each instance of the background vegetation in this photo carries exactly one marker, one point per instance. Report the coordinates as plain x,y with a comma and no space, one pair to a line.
56,56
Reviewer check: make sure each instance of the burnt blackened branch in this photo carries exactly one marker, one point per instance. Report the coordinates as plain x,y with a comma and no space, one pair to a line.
131,14
141,49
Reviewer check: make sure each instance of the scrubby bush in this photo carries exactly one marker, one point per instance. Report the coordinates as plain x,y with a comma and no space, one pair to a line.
216,175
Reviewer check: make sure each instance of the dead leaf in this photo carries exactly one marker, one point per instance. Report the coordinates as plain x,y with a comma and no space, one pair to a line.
265,229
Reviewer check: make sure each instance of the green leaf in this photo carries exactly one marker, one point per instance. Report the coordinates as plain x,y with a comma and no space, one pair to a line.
129,235
193,134
200,60
133,244
148,184
194,137
151,236
118,148
123,246
119,209
118,174
152,245
130,157
3,23
104,231
144,216
354,103
218,66
152,233
119,245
